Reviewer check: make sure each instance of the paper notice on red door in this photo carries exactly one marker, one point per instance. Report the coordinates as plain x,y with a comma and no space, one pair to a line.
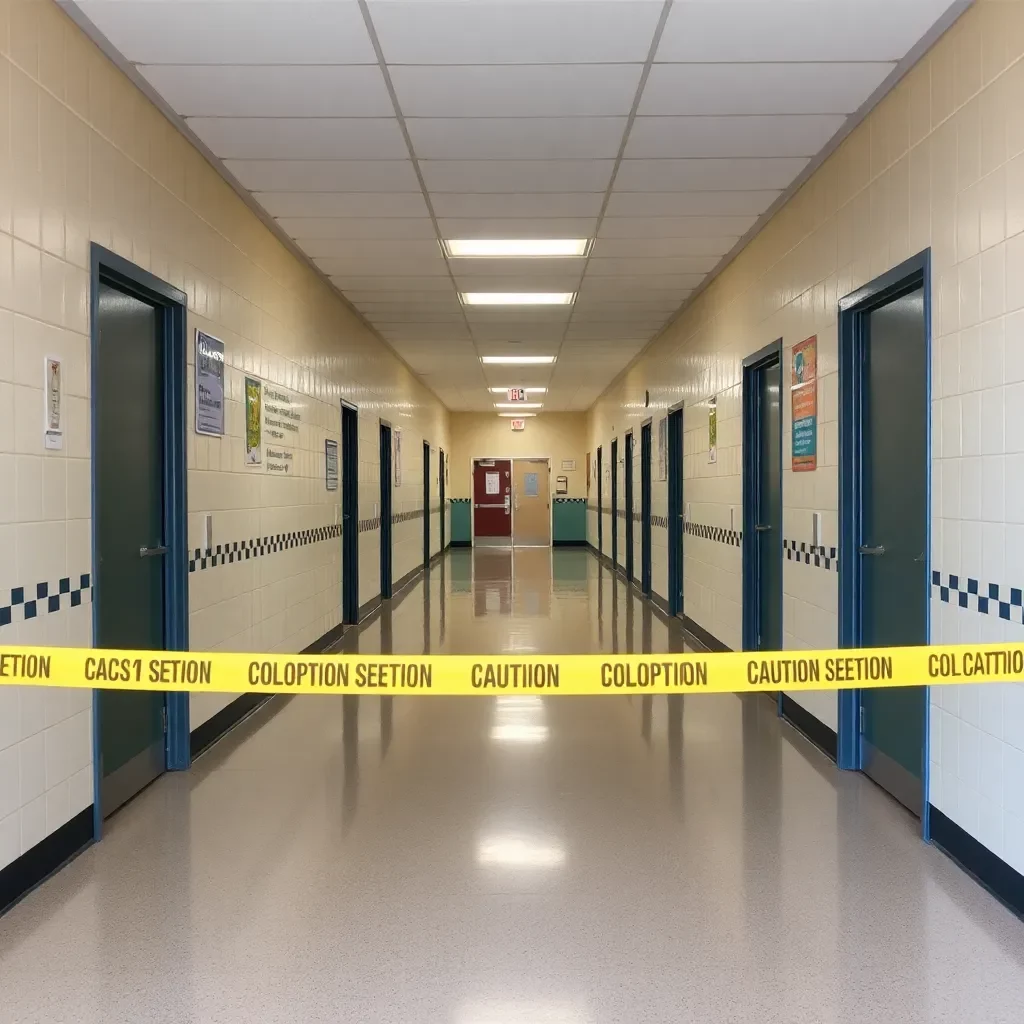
804,391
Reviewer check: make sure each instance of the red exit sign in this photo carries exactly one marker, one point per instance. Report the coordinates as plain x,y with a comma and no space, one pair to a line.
517,394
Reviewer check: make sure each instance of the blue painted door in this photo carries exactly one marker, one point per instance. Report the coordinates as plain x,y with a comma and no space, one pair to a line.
767,511
615,501
894,530
349,514
629,505
385,511
645,507
676,512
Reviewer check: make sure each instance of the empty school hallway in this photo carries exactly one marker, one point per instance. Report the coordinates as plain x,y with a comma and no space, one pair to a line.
513,860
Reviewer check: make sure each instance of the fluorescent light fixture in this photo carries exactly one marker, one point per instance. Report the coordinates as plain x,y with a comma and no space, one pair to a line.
518,405
516,415
529,391
517,360
516,248
518,298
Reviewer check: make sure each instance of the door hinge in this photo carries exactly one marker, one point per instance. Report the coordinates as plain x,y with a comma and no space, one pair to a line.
860,720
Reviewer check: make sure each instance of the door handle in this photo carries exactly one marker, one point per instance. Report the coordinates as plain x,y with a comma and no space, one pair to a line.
152,552
867,549
762,528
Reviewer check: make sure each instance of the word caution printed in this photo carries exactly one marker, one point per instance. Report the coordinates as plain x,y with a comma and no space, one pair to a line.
456,674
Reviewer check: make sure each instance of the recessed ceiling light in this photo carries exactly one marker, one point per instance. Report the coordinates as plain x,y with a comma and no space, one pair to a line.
518,298
517,360
515,415
518,405
516,248
529,391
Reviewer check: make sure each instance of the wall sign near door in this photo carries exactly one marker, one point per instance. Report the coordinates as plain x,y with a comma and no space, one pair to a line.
53,390
713,429
331,463
253,421
209,385
804,391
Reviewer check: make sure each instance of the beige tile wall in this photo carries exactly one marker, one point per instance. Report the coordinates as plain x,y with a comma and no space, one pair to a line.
938,164
84,157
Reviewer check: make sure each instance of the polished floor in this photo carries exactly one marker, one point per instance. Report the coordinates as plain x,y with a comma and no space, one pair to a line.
513,860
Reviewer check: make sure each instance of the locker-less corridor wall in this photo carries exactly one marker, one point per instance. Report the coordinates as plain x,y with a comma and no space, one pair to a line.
89,159
938,165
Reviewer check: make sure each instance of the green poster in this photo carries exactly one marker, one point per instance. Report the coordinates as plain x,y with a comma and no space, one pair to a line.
713,430
253,421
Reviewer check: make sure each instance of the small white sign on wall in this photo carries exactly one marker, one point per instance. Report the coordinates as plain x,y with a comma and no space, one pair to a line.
492,484
518,424
53,408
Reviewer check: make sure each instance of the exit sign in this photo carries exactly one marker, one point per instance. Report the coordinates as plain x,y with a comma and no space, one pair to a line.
517,394
518,424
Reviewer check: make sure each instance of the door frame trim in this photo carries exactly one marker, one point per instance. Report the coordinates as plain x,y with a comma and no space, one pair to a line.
107,267
752,365
387,592
426,504
647,472
908,276
615,504
349,500
600,499
676,506
629,506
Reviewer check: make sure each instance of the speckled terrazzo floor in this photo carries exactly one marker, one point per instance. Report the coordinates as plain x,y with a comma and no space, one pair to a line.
524,861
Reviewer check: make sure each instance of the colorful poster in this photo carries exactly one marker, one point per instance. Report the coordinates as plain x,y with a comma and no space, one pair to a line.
663,448
209,385
331,463
804,392
253,422
53,384
713,430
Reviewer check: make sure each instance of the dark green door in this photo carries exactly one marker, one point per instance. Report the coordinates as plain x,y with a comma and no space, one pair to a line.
768,508
129,464
894,591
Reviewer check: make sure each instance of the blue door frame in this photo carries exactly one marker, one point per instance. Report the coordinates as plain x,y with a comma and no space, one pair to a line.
110,269
441,495
349,514
615,503
600,503
386,494
676,525
426,504
752,366
645,506
853,311
628,481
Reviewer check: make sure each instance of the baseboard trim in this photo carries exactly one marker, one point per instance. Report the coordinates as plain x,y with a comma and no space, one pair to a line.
46,858
707,640
990,871
815,730
213,729
365,610
660,603
406,579
569,544
327,641
461,544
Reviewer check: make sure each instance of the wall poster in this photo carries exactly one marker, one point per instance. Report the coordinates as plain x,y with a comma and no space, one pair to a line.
53,390
209,385
663,448
396,455
713,429
492,483
253,421
804,393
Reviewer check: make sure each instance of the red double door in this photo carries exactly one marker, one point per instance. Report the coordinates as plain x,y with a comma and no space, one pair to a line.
492,498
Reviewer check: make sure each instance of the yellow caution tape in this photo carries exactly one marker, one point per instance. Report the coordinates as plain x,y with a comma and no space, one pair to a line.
456,674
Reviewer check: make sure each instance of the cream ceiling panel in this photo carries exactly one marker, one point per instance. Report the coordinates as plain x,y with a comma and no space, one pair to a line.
721,175
343,204
682,204
515,205
324,175
517,175
518,227
235,32
760,88
657,228
271,91
546,90
306,229
375,251
516,138
664,246
517,32
301,138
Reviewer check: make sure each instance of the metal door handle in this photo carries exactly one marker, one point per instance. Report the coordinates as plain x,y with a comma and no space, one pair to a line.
153,551
867,549
762,528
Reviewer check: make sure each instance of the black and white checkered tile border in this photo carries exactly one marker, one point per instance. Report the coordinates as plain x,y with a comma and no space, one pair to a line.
240,550
987,598
809,554
731,537
571,501
69,592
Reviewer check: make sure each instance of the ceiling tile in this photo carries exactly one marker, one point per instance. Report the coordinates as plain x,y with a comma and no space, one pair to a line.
516,175
373,251
760,88
647,266
301,138
405,299
498,206
304,229
719,175
324,175
401,284
568,268
203,32
675,227
545,90
271,91
741,136
664,246
684,204
343,204
532,334
386,267
538,32
795,30
516,138
521,282
518,227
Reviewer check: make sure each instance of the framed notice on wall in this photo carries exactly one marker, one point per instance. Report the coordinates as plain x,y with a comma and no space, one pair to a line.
209,385
713,430
663,448
253,421
804,397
